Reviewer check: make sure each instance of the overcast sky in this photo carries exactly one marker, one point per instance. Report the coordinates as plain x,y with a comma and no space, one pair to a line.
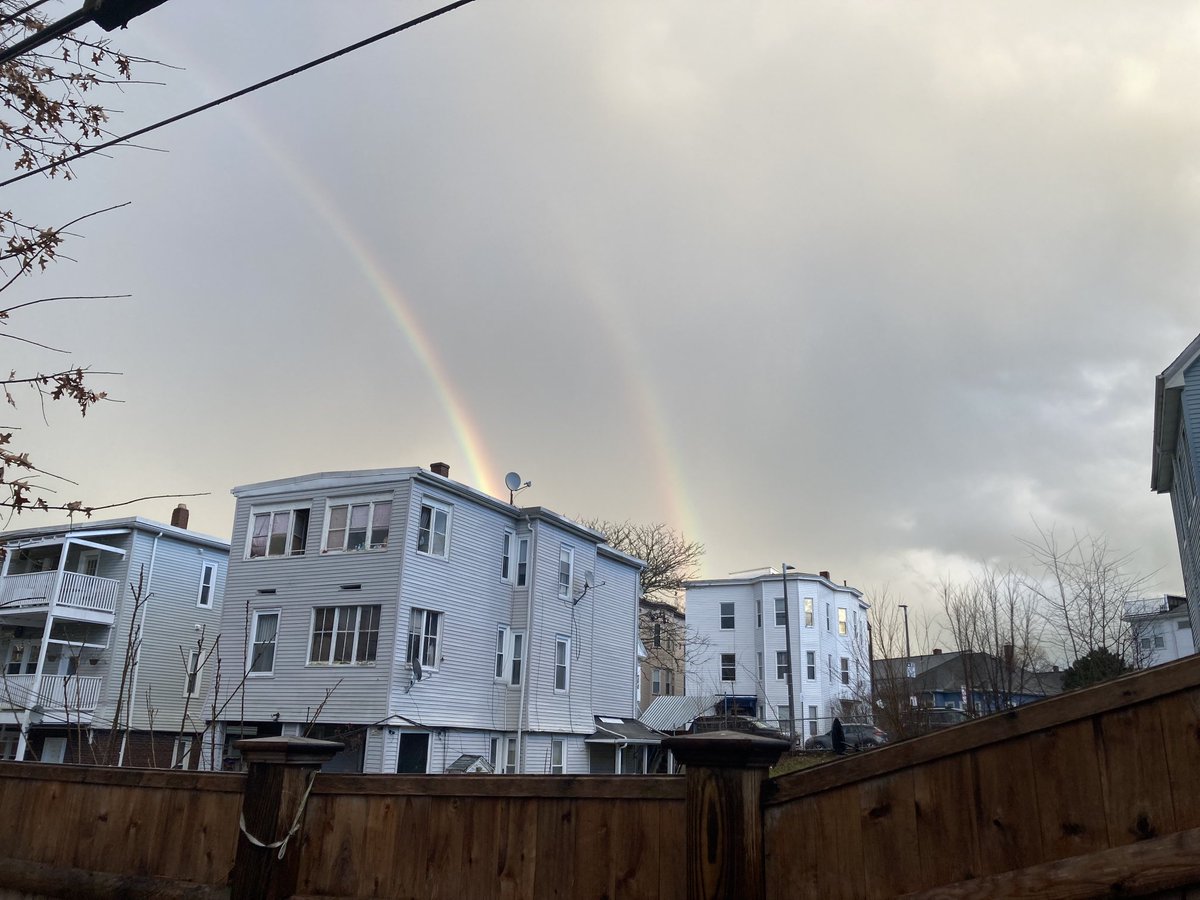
863,287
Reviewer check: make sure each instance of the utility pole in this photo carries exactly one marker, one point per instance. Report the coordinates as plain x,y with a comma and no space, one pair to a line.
108,14
907,659
787,637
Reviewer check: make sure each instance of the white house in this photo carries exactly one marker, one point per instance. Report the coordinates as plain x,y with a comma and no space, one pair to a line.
1162,628
419,620
99,625
743,620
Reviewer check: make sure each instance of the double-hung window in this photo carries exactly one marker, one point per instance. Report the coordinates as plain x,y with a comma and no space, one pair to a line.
727,615
557,766
810,665
828,627
191,686
357,525
433,529
208,577
843,627
781,664
845,670
501,651
506,556
758,611
562,663
510,655
729,667
780,611
264,633
808,612
522,561
278,532
566,571
517,663
424,637
344,635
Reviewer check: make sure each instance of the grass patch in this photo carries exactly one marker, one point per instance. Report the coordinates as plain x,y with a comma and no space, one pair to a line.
797,761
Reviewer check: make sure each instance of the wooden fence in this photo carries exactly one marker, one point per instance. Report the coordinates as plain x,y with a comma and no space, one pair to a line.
1095,793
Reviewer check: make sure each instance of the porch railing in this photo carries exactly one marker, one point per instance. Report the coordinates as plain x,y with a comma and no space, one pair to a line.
73,693
33,590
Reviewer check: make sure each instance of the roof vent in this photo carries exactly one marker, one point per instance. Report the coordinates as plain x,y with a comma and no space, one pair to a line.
937,651
440,468
179,516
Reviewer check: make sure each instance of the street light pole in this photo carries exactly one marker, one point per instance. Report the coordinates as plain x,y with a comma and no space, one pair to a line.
787,637
907,659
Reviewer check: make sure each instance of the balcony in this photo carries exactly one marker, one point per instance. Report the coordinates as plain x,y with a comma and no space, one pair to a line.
88,598
59,695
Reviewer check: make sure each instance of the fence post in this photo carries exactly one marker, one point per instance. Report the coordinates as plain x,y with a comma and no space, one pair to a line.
725,775
280,774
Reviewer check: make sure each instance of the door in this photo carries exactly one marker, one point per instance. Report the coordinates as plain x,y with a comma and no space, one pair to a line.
414,753
89,562
54,750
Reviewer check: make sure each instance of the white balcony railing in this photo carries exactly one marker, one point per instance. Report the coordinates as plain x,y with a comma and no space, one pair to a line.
69,693
33,590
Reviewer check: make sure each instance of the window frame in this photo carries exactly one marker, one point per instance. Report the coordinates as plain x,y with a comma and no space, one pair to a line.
507,547
559,746
272,510
562,643
434,507
356,633
521,571
204,597
843,622
781,665
781,612
727,610
758,612
193,675
371,501
423,637
728,672
844,671
809,612
251,656
566,553
500,668
810,665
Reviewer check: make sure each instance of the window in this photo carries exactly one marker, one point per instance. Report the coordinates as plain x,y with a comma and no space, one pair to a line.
1183,625
845,670
278,532
501,650
556,756
668,682
785,718
566,571
810,665
758,664
344,635
181,753
208,574
812,721
264,631
358,525
434,529
504,755
758,611
506,552
191,687
808,612
727,615
828,627
424,633
842,627
780,611
89,562
657,634
1145,643
510,756
522,561
656,681
781,664
518,657
22,657
1159,641
728,667
562,663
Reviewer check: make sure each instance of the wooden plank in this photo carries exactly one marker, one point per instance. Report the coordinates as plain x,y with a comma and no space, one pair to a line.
411,847
1127,691
672,852
791,847
1180,719
616,787
1132,870
889,821
837,829
593,842
947,837
1007,818
557,834
516,849
1133,772
1070,797
26,878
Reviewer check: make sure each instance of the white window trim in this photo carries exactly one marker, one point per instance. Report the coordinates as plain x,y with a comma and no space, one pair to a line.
274,508
721,668
521,579
781,665
194,659
212,585
508,557
358,500
560,767
564,591
500,658
449,511
732,626
515,638
257,614
337,613
562,640
778,601
437,647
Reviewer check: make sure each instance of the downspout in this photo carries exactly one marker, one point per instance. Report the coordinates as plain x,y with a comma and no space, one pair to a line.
521,718
22,739
137,659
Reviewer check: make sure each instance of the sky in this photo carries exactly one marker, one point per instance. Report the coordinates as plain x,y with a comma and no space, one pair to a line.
866,288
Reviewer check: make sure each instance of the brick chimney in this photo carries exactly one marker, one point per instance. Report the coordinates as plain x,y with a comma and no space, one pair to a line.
440,468
179,516
937,651
824,575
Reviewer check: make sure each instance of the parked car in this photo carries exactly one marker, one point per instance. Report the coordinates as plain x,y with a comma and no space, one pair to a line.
935,717
858,737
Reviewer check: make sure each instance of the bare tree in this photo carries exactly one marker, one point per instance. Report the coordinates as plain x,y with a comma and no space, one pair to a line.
670,558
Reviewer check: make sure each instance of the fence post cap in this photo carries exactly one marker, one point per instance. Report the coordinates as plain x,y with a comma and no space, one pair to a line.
727,749
288,751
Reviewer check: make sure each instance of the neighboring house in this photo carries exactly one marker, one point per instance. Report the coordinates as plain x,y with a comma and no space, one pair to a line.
67,605
1175,467
743,620
1162,628
978,683
418,620
663,632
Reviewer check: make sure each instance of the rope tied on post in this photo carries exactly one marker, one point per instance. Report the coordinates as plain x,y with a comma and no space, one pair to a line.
282,842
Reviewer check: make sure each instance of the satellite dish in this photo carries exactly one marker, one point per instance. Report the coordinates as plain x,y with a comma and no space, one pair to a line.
512,481
589,580
417,668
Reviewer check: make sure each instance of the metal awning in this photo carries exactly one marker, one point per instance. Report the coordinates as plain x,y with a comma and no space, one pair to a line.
617,730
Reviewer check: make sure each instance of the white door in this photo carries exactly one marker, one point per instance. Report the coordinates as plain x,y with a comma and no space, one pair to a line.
54,750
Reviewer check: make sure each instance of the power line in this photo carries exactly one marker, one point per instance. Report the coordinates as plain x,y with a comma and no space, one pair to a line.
404,26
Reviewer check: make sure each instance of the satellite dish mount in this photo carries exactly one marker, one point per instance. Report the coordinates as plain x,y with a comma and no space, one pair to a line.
512,481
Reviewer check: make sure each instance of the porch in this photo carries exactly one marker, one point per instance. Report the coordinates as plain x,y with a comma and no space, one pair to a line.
57,698
87,598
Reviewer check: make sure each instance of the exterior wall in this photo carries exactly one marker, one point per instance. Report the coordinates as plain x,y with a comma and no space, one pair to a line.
748,638
1163,636
663,633
1186,477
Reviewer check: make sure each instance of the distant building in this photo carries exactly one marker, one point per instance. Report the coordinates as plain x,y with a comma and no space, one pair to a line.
743,620
1175,468
69,602
1162,628
978,683
663,631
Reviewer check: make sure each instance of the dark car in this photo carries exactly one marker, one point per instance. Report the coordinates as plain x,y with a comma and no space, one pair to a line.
858,737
